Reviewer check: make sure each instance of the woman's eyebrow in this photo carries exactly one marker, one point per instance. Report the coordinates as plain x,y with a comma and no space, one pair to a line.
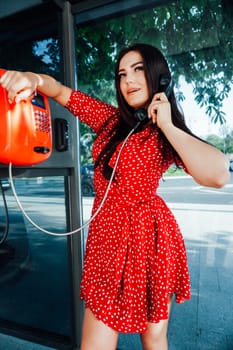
132,66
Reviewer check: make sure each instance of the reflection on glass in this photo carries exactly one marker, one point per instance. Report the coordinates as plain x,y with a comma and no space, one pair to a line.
33,265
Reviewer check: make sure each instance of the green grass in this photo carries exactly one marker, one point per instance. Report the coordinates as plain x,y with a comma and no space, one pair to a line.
175,171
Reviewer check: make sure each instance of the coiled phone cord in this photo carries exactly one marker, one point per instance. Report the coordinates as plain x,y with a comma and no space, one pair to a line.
98,209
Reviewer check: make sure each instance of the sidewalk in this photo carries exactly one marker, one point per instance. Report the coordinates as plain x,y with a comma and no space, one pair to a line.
206,321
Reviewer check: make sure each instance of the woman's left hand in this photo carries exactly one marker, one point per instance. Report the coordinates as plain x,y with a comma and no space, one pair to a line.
159,110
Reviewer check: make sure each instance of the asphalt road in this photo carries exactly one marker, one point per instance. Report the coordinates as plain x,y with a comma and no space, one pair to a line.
172,189
186,190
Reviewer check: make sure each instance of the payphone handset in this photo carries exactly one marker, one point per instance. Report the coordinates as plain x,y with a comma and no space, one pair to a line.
166,85
25,129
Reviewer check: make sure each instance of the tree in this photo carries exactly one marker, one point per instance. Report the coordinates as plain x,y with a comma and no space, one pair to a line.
224,144
196,37
229,143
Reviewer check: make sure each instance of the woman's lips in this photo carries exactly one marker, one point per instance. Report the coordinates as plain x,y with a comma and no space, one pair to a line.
132,91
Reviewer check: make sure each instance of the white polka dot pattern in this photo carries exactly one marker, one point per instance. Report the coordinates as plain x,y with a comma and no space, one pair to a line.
135,255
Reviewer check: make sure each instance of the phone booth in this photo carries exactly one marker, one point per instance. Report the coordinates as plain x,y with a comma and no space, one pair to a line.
40,274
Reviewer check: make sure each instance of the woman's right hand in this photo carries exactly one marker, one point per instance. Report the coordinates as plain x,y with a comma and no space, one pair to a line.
20,85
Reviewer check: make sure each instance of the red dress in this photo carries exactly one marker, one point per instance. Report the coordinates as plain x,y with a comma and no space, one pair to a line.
135,255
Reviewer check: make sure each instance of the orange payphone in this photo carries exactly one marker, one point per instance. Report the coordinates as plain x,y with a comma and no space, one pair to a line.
25,130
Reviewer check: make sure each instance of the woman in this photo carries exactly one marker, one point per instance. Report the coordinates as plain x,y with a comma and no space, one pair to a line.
135,257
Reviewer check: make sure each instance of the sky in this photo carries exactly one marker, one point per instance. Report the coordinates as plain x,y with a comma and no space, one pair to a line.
196,118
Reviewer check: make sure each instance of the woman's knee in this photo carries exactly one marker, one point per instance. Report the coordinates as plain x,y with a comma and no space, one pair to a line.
96,335
156,336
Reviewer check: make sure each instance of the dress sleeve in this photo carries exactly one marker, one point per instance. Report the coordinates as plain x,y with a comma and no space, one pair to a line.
89,110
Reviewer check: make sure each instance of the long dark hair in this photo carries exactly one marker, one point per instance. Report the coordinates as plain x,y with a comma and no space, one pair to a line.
155,66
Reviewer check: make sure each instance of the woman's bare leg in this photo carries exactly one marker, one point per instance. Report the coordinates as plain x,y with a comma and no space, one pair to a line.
155,337
96,335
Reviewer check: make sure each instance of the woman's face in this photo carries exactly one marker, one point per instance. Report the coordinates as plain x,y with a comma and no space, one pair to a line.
133,83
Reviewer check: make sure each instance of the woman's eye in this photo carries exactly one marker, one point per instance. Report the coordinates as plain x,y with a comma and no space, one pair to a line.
121,75
139,68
